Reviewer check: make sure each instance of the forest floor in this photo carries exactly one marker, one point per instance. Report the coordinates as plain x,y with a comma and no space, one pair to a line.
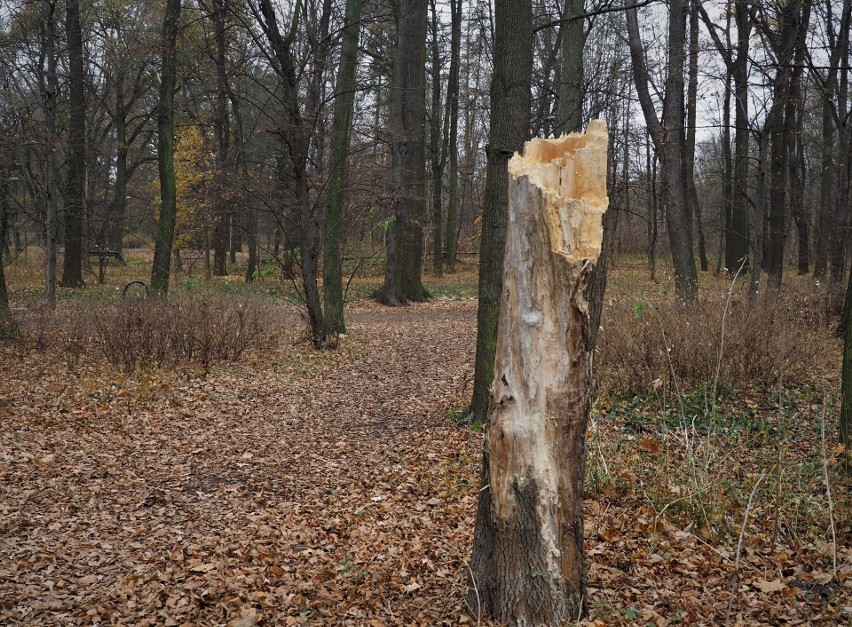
335,488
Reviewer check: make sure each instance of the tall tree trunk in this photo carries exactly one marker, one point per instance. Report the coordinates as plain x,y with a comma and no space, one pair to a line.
667,138
760,222
453,121
727,175
50,93
5,312
651,161
569,113
403,277
800,216
166,152
72,269
222,131
437,148
118,207
343,105
781,123
509,126
737,239
691,116
527,563
295,141
845,422
822,236
736,211
834,115
841,197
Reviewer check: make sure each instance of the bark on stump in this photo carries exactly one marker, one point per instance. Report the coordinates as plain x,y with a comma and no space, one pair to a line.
527,564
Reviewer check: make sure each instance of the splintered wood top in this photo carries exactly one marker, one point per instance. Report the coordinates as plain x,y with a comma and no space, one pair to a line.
570,172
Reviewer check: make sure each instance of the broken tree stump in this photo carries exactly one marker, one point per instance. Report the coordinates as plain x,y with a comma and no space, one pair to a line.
527,564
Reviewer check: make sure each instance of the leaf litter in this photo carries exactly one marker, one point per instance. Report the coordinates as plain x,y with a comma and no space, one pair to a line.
300,488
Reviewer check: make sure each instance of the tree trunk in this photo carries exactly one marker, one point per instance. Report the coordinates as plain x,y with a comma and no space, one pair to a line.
295,144
841,197
760,225
72,269
736,207
166,152
736,239
251,237
50,92
845,425
569,113
343,104
824,209
453,116
403,277
4,211
222,133
509,125
668,138
781,123
691,116
437,149
797,193
727,176
527,563
651,160
118,207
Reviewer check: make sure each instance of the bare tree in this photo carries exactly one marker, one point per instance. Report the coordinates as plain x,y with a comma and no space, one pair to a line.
343,105
166,151
667,135
72,269
404,264
509,126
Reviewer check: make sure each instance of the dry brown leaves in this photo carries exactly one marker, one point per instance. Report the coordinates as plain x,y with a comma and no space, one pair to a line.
305,488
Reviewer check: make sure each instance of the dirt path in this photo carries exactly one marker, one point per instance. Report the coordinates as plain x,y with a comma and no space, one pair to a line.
338,495
334,489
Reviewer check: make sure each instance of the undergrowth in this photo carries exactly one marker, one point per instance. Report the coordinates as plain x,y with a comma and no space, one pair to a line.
192,328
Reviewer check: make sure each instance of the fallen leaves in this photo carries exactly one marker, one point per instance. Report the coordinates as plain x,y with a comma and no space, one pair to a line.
769,586
294,492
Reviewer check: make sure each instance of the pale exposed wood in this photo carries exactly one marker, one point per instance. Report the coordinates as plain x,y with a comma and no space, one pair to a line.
528,545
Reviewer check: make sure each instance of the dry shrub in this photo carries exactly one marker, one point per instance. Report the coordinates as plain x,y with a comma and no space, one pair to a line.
186,329
644,344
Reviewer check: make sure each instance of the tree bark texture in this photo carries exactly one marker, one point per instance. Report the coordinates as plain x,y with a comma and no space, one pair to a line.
569,113
781,123
50,93
509,126
404,265
222,132
689,147
166,152
452,147
667,135
4,210
527,564
295,136
72,268
845,424
343,105
437,148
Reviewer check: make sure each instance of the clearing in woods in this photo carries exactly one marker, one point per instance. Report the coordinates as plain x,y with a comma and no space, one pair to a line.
297,487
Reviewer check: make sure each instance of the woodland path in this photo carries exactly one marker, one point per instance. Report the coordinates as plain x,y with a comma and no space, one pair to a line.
316,489
306,488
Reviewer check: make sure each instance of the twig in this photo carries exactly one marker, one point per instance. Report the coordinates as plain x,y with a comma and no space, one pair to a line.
722,332
739,549
828,494
476,591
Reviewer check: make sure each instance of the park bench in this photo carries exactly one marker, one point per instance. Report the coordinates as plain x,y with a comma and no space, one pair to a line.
103,256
